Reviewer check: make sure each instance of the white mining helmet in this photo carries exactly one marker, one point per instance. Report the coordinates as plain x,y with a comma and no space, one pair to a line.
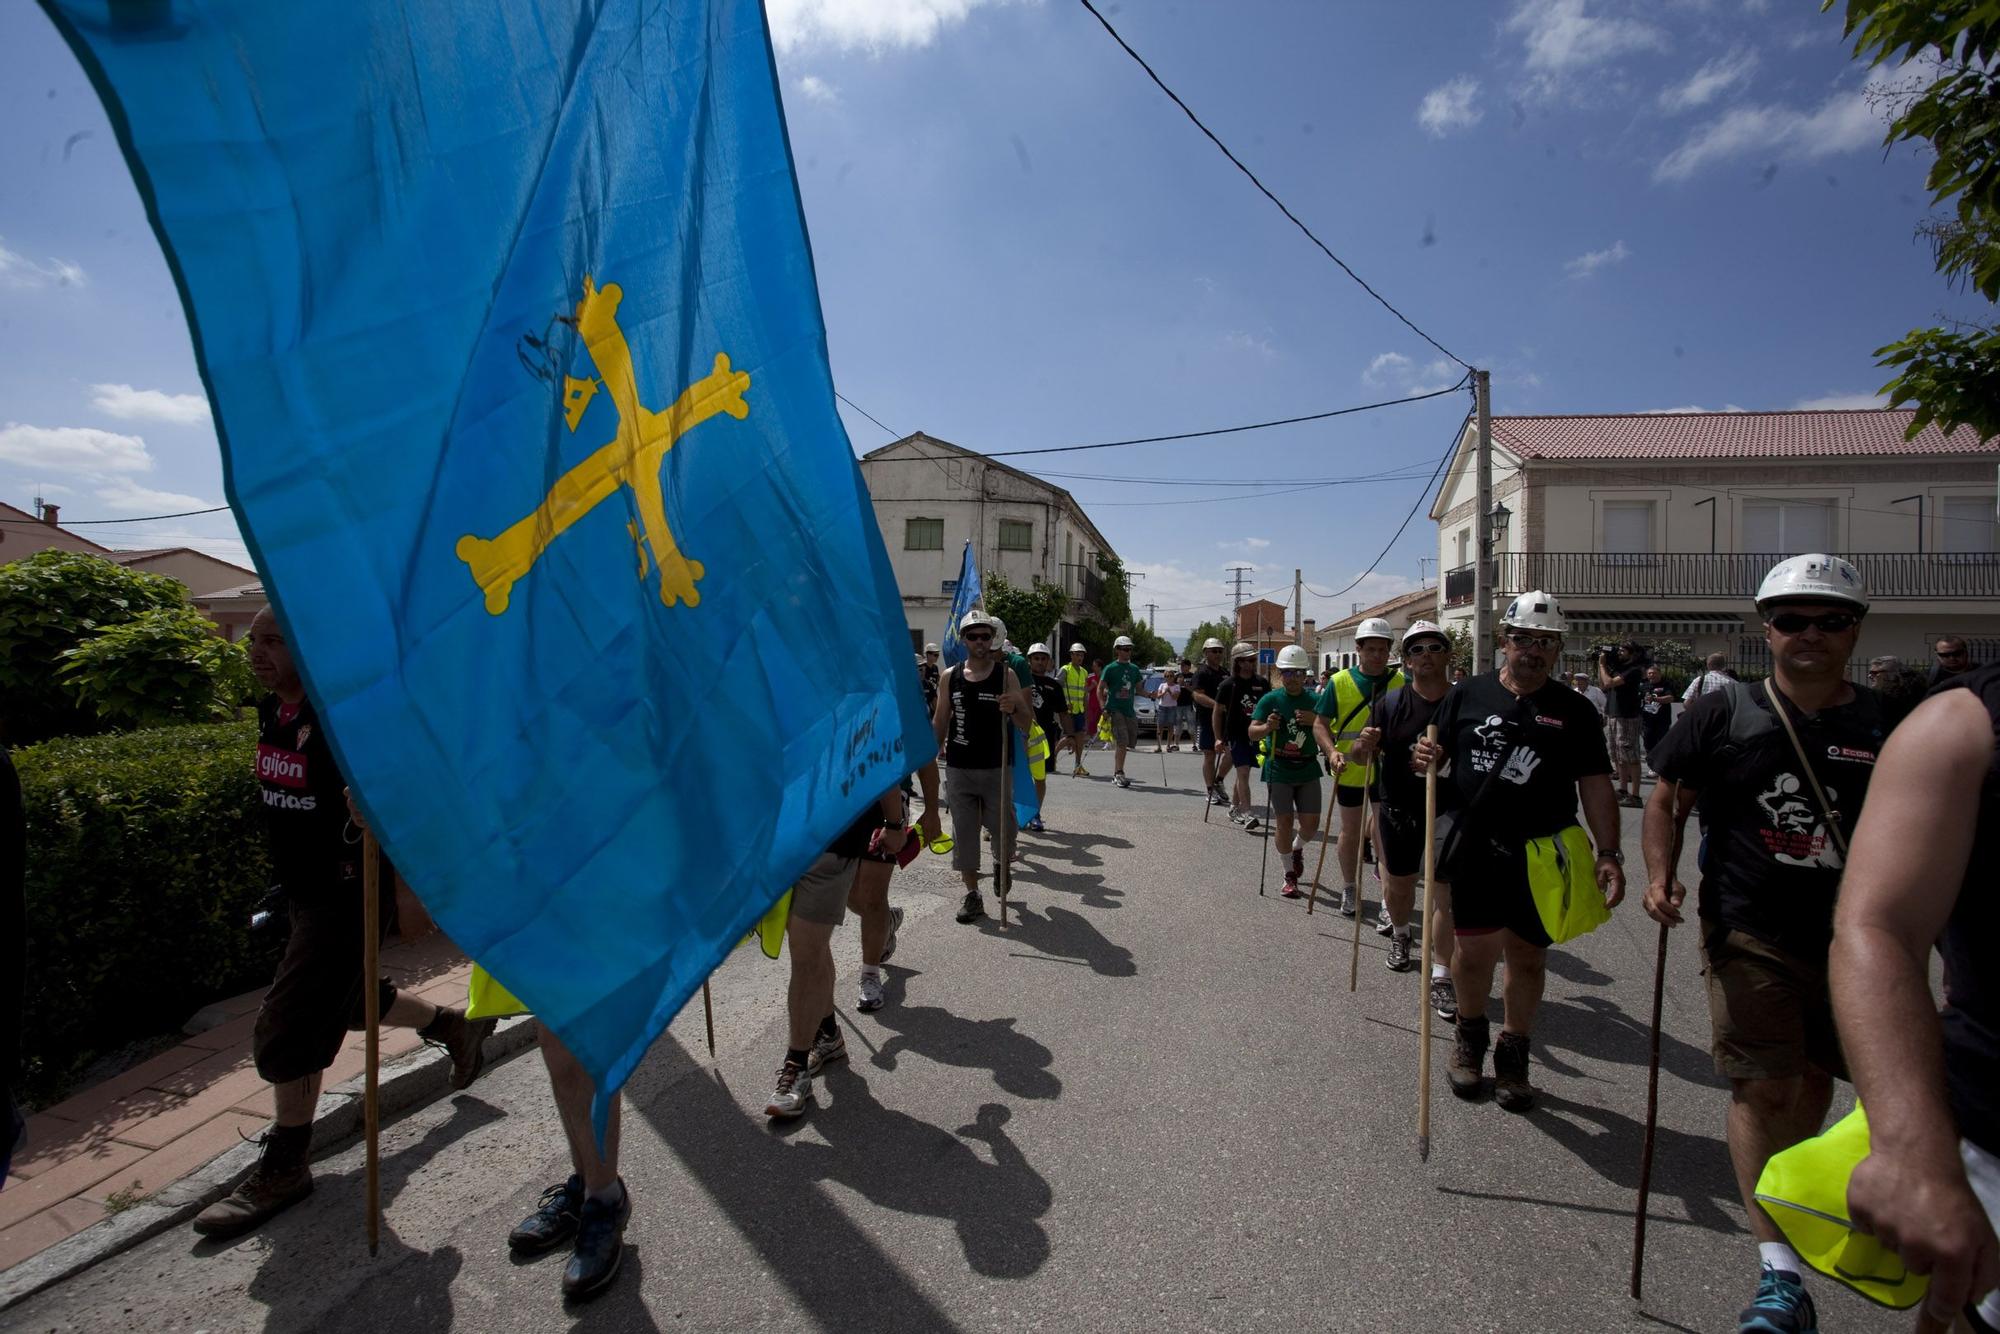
1292,658
1242,651
1814,578
1534,611
1418,629
1373,628
1123,641
1042,649
977,617
1212,643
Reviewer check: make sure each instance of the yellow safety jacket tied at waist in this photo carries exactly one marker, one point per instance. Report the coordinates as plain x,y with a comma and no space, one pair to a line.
1804,1190
1076,686
1352,712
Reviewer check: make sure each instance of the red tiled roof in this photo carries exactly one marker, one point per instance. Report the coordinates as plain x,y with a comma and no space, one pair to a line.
1425,595
1731,435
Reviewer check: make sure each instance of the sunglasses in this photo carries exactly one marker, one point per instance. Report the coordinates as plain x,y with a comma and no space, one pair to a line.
977,637
1409,649
1534,641
1795,622
1954,653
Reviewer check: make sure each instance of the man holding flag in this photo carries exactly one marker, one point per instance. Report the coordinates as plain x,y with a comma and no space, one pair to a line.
516,419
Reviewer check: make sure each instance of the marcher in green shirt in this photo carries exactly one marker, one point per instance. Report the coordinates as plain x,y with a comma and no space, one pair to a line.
1291,765
1118,686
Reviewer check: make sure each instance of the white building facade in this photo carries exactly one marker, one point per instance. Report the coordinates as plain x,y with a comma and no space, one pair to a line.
1661,525
931,497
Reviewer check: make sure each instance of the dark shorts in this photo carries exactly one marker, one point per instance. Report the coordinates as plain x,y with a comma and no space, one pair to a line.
1203,733
1399,841
1348,795
315,999
820,895
1489,892
1076,724
1769,1012
1289,799
1243,753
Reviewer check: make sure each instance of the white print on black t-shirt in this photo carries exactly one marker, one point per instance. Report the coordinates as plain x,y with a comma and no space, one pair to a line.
1794,834
287,802
1522,761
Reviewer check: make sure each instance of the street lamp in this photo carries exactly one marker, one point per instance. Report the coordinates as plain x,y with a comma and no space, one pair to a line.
1501,517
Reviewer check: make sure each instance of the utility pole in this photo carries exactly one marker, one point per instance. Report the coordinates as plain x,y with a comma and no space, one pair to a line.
1482,572
1298,607
1238,579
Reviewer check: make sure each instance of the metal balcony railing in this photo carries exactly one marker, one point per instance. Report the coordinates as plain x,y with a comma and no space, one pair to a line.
1897,574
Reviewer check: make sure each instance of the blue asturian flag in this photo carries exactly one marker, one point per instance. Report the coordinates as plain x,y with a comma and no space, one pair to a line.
508,319
963,599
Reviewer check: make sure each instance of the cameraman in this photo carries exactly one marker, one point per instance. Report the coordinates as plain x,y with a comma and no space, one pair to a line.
1619,670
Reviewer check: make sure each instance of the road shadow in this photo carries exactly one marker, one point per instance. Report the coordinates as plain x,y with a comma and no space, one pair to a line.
1595,1028
1061,934
1091,890
1077,849
1570,968
1020,1065
1693,1168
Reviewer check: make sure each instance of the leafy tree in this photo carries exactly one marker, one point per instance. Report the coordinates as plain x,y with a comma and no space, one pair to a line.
1951,375
1460,634
164,666
1207,630
50,603
1028,612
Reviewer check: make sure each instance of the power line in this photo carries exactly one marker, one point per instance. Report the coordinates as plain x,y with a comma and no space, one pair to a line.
1265,190
1449,454
864,412
1397,475
144,518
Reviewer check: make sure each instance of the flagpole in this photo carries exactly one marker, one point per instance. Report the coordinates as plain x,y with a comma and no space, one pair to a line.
708,1017
371,1018
1423,998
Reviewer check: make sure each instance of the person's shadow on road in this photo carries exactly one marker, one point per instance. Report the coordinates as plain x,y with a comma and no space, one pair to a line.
1062,934
1077,849
1694,1168
1019,1063
1091,890
1594,1027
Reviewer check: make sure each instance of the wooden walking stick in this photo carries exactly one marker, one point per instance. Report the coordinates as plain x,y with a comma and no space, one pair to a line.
1263,865
1354,961
1653,1065
371,1018
1423,998
708,1017
1003,868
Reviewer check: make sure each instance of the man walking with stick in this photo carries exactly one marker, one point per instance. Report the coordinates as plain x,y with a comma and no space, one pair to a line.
1291,770
1235,702
1344,727
1208,681
1780,771
977,701
1119,685
1523,750
1399,809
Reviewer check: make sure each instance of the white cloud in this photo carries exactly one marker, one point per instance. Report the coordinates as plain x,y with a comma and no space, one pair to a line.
1843,122
1249,342
1386,367
1185,597
81,449
1584,265
17,270
1831,402
1245,545
122,493
870,25
1709,82
817,89
1562,35
1691,407
1394,371
128,404
1374,588
1449,106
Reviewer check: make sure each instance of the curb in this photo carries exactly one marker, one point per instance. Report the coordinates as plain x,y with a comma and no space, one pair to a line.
420,1077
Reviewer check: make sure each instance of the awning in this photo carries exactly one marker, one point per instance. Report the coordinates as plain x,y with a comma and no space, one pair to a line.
1643,625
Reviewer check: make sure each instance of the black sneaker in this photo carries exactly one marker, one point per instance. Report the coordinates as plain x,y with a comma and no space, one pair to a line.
600,1246
554,1221
1399,960
1782,1306
1444,999
973,908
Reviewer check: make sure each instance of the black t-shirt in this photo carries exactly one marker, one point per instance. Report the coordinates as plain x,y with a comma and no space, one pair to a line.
1046,694
1534,749
305,800
1403,715
1621,698
1972,996
1772,868
1656,715
1238,697
1208,681
972,728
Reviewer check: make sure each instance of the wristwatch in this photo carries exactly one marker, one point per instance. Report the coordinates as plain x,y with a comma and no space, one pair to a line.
1613,855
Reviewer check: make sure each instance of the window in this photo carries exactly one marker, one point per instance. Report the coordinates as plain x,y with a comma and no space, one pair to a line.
1787,527
1017,535
1464,547
923,534
1628,531
1968,525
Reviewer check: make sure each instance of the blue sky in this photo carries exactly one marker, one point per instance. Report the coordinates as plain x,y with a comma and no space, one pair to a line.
1020,242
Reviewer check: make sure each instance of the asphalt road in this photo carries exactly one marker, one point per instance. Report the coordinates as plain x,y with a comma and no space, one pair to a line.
1149,1103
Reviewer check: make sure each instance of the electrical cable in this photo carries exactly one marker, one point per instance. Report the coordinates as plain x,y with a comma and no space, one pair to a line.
144,518
1238,162
1449,454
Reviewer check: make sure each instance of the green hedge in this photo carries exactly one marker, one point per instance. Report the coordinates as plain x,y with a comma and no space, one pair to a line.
146,857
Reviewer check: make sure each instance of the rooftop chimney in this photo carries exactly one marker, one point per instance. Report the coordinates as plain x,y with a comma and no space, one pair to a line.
49,512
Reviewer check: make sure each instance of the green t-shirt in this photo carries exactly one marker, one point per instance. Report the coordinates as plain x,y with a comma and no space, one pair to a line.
1118,684
1293,757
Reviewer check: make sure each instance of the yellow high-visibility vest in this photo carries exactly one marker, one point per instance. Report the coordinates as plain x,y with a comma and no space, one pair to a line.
1076,686
1351,713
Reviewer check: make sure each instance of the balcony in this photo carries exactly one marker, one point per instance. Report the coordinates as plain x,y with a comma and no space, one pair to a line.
1890,575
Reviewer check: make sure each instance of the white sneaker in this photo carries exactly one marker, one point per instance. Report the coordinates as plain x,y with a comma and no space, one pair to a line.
825,1051
1348,900
793,1092
871,993
895,925
1383,926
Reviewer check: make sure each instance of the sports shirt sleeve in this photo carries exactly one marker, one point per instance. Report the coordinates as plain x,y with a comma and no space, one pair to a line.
1687,752
1265,708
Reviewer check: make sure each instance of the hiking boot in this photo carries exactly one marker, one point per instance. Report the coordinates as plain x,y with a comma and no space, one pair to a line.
1511,1088
1468,1058
889,941
794,1090
973,908
464,1040
1782,1306
1350,901
1399,960
600,1246
280,1180
554,1221
1444,999
1383,926
826,1049
871,993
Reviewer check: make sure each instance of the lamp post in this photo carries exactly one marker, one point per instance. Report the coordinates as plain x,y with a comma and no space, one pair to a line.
1497,521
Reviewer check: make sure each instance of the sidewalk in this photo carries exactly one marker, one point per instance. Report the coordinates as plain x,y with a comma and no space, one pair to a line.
104,1150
